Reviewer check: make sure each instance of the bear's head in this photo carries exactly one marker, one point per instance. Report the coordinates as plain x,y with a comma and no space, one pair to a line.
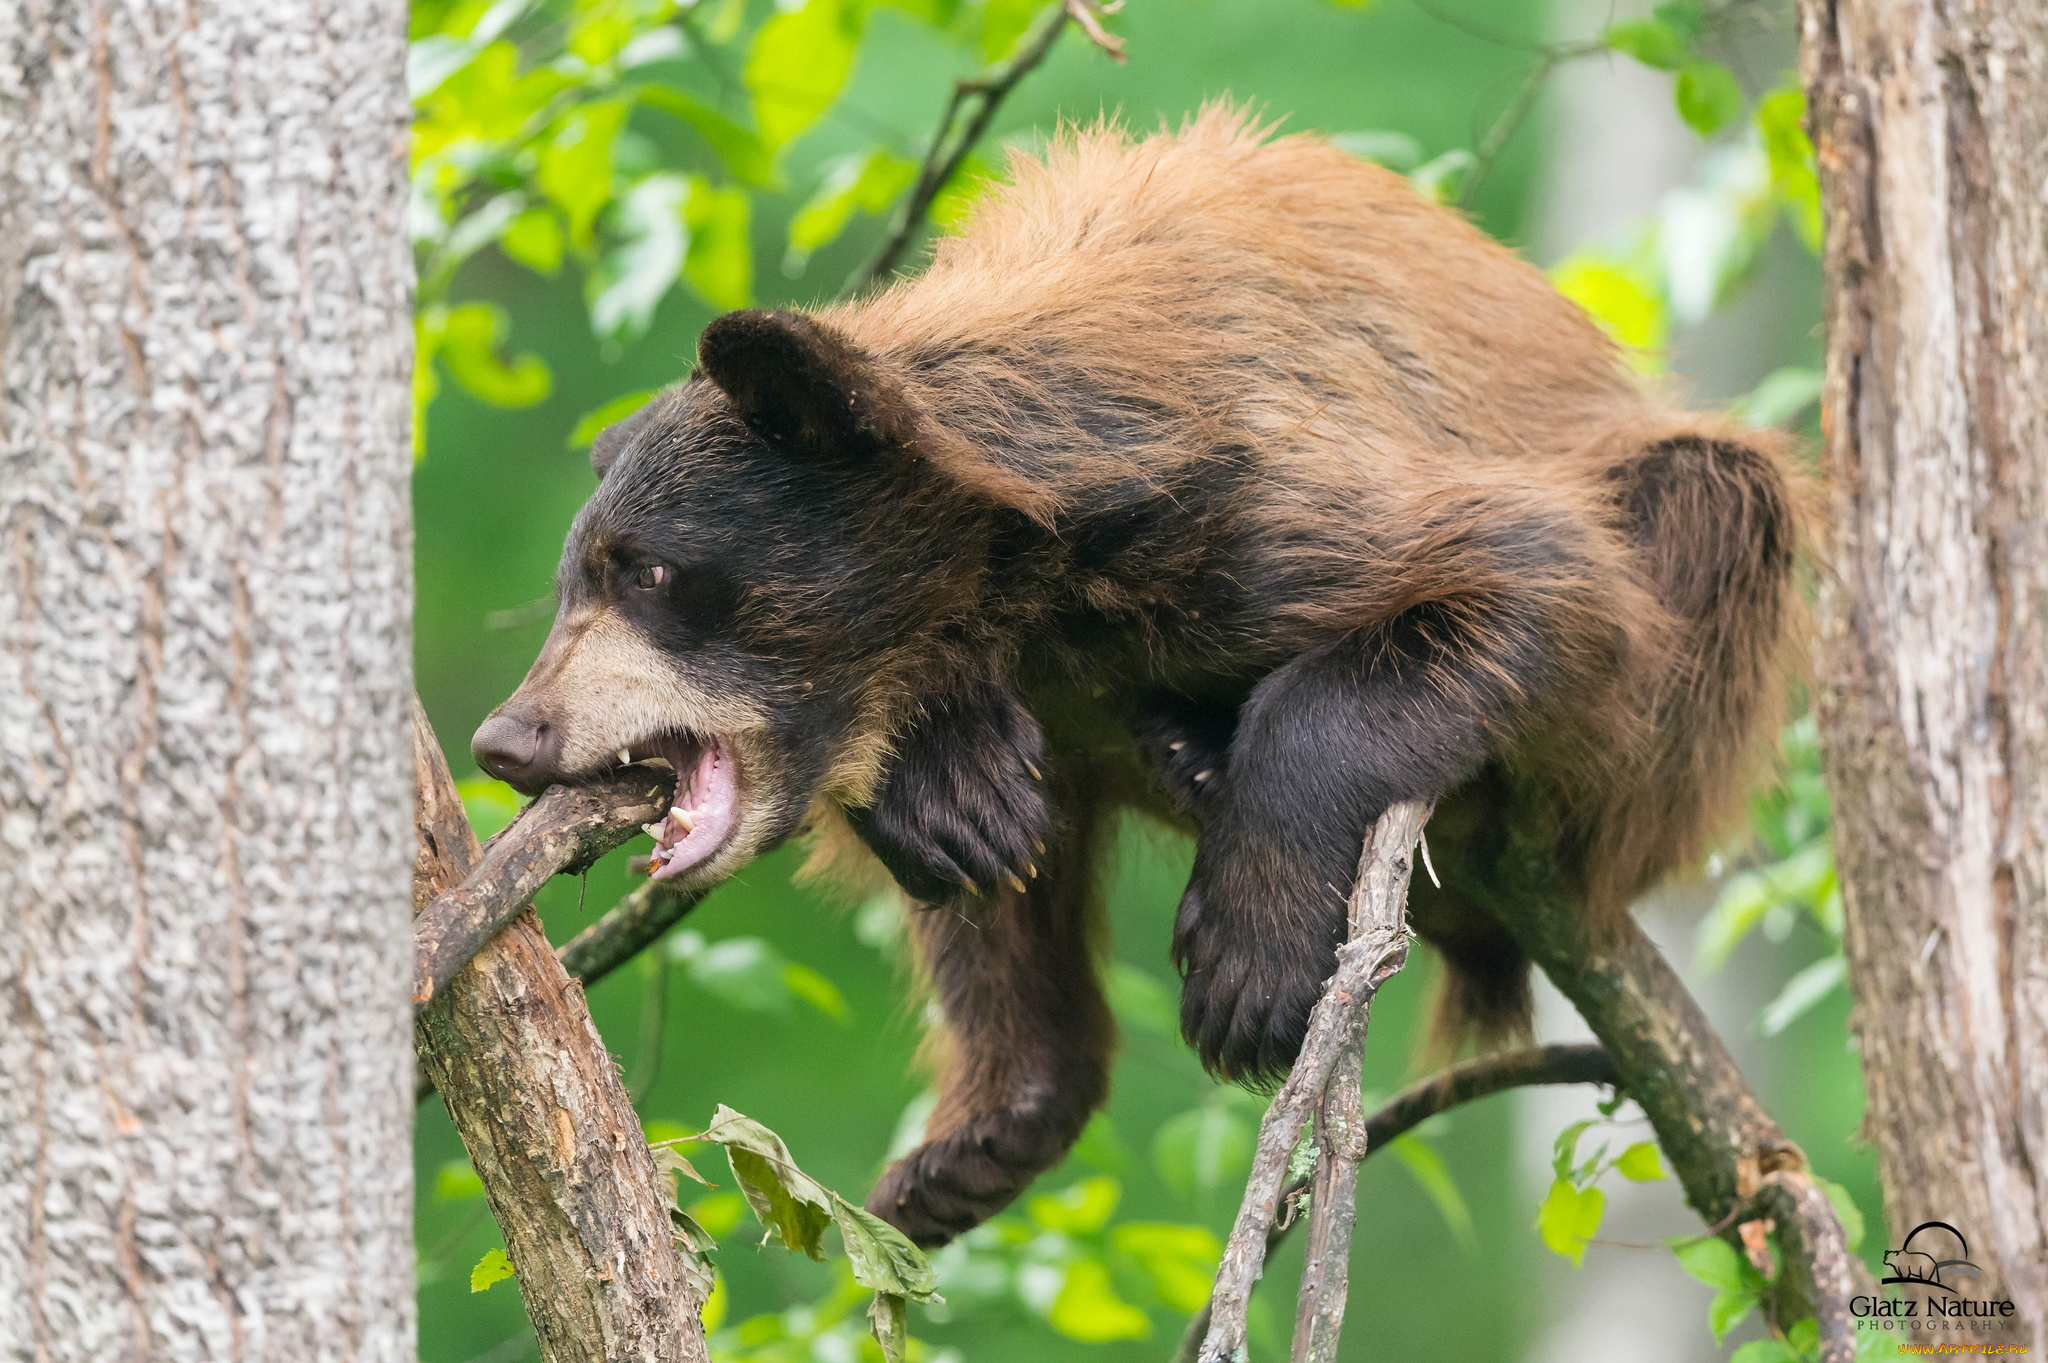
767,566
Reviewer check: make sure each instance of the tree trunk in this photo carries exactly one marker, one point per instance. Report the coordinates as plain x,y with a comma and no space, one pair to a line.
205,672
1930,118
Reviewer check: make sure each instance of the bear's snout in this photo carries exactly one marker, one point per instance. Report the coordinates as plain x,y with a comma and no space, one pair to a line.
521,752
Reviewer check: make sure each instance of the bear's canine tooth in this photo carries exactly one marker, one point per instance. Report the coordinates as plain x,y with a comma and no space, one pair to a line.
682,816
625,758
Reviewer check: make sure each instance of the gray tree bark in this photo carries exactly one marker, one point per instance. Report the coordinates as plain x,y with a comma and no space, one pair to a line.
1930,118
205,655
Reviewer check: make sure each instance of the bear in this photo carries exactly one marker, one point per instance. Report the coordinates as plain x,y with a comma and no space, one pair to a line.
1217,475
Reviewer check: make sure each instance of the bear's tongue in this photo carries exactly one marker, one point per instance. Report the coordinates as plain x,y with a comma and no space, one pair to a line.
701,814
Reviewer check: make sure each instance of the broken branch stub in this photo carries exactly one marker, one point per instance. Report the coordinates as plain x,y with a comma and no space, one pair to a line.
1377,948
565,830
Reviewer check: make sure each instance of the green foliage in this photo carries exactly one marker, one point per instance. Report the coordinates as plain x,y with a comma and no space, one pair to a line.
1571,1212
490,1270
1708,97
1795,883
796,1210
1738,1287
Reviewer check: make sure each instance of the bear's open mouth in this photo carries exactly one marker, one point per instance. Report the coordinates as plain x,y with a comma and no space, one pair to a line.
702,810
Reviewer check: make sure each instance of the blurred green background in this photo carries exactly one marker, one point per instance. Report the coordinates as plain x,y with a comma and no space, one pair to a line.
797,1011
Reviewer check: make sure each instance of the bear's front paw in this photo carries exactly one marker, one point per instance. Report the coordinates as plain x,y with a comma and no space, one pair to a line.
1187,748
1251,978
963,804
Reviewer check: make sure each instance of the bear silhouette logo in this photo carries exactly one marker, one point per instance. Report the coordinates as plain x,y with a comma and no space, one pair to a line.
1912,1266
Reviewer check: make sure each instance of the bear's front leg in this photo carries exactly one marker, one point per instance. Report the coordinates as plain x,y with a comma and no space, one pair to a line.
962,806
1322,746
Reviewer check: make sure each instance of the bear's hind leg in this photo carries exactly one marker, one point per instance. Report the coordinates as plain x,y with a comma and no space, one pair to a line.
1029,1037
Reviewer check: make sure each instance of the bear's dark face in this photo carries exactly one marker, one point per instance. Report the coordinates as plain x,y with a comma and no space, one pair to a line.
731,597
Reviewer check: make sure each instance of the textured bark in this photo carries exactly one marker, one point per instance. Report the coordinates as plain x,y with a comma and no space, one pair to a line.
205,663
1930,118
1376,949
1734,1162
563,832
511,1048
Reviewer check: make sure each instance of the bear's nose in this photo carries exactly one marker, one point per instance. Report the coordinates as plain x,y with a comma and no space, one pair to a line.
518,751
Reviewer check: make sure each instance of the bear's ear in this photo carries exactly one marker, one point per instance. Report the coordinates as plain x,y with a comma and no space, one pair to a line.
612,441
798,383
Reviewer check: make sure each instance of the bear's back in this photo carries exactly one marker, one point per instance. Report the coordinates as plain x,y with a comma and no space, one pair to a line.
1315,303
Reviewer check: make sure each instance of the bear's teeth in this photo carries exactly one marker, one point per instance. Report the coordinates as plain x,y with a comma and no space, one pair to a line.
625,758
652,830
682,816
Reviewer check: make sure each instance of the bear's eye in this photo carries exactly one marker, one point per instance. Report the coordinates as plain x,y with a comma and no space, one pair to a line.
651,576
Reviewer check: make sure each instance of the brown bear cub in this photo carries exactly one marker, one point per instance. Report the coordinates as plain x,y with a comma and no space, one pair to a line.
1214,475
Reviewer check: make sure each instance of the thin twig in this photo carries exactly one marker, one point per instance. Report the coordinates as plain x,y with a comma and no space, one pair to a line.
985,94
1377,948
1416,1104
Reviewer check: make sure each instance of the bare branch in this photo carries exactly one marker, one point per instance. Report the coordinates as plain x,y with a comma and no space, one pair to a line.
551,1131
972,109
1721,1143
565,830
1378,947
1333,1212
1416,1104
631,926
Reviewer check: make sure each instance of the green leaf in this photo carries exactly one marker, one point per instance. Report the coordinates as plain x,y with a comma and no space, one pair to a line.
1713,1261
1396,151
1181,1260
1564,1151
744,154
866,183
1569,1218
1640,1163
1846,1212
1728,1310
795,1207
1429,1170
1627,305
719,263
889,1322
469,337
1802,992
534,239
490,1270
1141,1001
1201,1150
490,804
1652,42
456,1181
1780,120
1002,23
592,423
574,165
631,280
1081,1209
798,64
1764,1351
814,989
1709,99
1684,17
883,1259
1443,178
669,1160
1088,1308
